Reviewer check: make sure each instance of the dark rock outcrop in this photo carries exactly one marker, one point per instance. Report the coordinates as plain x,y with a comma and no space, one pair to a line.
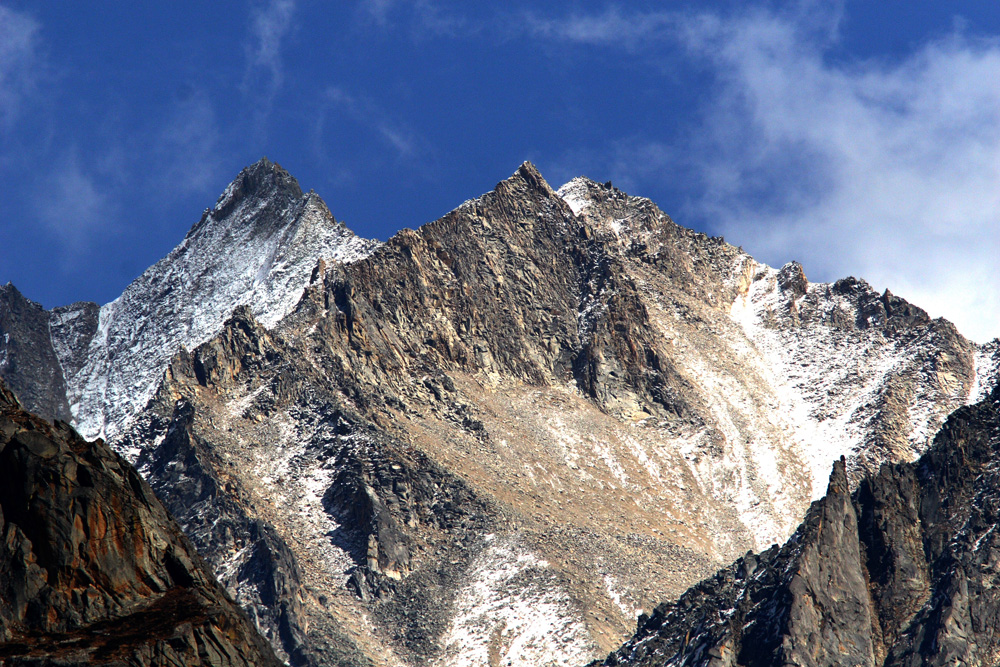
28,363
92,568
902,572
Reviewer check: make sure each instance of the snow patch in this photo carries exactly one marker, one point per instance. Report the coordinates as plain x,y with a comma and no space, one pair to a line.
827,379
575,193
987,370
512,611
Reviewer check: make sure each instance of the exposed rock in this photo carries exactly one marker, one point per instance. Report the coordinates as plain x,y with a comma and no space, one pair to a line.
792,279
72,329
902,573
92,568
28,363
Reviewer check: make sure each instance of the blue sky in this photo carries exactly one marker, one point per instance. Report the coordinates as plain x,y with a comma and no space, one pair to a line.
860,138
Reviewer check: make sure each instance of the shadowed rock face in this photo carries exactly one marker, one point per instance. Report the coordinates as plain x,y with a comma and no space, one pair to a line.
902,572
28,362
92,568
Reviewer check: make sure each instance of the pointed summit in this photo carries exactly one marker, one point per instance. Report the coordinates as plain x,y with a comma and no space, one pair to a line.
532,176
257,247
262,179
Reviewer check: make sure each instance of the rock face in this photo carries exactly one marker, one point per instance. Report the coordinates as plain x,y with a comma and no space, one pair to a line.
92,568
495,439
28,363
901,572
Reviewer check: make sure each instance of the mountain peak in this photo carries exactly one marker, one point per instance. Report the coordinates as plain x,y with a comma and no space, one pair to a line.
263,178
258,247
530,173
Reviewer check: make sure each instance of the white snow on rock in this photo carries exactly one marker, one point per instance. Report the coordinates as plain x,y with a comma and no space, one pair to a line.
987,370
575,194
827,378
512,611
257,250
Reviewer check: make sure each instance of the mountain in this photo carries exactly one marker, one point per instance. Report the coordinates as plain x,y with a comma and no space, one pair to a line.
92,568
498,438
257,246
901,572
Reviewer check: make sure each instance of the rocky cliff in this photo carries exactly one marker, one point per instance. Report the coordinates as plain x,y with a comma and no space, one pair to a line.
28,362
901,572
92,568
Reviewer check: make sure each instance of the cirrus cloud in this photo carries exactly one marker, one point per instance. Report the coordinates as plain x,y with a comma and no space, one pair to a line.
18,61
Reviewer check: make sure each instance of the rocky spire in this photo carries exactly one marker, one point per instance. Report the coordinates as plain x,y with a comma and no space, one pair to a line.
261,180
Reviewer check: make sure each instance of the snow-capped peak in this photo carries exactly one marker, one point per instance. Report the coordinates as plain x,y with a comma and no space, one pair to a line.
257,246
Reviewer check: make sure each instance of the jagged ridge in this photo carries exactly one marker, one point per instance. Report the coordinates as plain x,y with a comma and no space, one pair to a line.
500,435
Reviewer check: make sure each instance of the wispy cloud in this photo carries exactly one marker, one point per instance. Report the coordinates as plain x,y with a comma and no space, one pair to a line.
378,10
611,27
420,18
270,24
391,131
887,170
19,62
72,207
187,145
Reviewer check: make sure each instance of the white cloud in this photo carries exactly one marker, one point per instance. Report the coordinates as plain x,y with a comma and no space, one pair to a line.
884,169
18,61
72,208
889,171
270,24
